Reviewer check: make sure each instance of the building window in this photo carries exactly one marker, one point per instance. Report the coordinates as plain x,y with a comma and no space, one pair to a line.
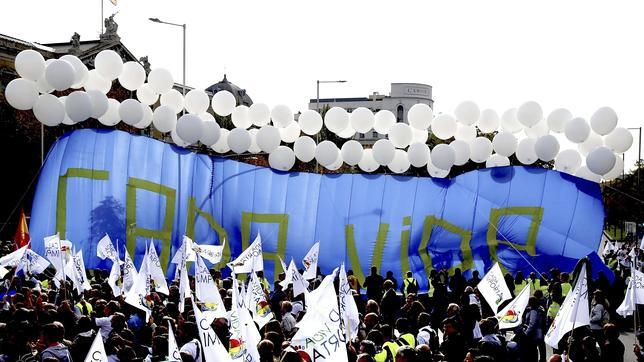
400,113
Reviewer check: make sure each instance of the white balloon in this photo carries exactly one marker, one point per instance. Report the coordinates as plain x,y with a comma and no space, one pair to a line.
60,74
603,121
577,130
529,113
509,121
281,159
78,106
593,141
383,121
488,121
400,163
42,86
189,128
347,132
525,151
558,118
109,64
619,140
336,119
239,140
435,171
480,149
99,103
211,130
147,95
443,156
196,101
49,110
568,161
419,135
326,153
95,81
538,130
259,114
131,112
164,119
418,154
310,122
546,147
281,116
461,152
111,117
383,151
420,116
253,148
585,173
616,171
335,165
368,163
467,112
30,65
362,119
221,146
351,152
160,80
304,148
223,103
401,135
133,76
465,132
173,99
504,143
444,126
240,117
81,72
290,133
600,160
21,94
147,117
268,138
497,160
177,140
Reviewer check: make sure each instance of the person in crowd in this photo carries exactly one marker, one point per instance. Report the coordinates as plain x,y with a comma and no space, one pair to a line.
373,284
390,276
599,316
410,284
454,345
534,322
612,349
354,283
53,334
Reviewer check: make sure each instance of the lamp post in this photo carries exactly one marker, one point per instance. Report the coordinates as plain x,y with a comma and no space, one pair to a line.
156,20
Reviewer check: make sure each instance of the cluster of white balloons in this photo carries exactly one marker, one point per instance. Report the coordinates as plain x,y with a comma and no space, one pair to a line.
524,131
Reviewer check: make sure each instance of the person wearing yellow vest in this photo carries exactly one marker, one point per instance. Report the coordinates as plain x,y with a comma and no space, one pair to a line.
409,285
262,280
389,347
519,283
535,283
565,285
84,308
553,307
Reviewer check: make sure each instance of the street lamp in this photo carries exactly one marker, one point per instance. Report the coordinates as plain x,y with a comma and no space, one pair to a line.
156,20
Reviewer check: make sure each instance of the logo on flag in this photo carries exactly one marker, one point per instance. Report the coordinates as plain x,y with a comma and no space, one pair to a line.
237,348
263,308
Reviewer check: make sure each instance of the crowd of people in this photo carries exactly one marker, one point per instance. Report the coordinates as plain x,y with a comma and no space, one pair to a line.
450,322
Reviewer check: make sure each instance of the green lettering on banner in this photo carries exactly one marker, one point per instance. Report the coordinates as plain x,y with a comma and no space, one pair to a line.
193,212
133,231
404,245
536,214
354,259
432,221
281,219
61,207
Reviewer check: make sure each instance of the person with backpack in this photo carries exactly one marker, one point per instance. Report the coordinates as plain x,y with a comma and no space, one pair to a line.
599,316
534,325
410,285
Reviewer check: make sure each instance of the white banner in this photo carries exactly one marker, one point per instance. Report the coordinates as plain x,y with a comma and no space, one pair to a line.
310,262
250,259
573,313
511,315
493,288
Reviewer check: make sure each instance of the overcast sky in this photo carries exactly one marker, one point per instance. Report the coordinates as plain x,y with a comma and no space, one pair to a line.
580,55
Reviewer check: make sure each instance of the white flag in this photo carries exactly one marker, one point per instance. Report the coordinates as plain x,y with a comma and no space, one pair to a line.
287,273
140,289
3,272
76,271
512,314
319,333
105,249
573,312
310,262
634,294
212,253
314,296
257,303
154,268
493,288
32,263
13,259
300,285
114,278
54,254
97,350
129,273
213,349
250,259
348,307
608,247
207,292
244,335
185,253
173,350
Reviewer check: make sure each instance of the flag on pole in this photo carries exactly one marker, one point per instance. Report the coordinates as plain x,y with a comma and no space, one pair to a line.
21,238
129,273
105,249
97,350
55,255
314,296
493,287
310,262
608,247
207,292
250,260
512,315
213,349
573,312
348,307
13,259
212,253
76,272
257,303
634,294
115,276
154,268
185,253
244,335
173,349
32,263
140,289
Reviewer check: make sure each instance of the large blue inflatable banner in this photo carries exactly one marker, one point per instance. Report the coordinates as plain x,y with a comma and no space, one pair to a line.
137,189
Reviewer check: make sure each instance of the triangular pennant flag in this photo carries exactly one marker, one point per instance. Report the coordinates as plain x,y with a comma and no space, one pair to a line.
156,273
244,335
634,294
79,275
573,312
287,273
212,348
250,259
313,297
207,292
348,307
300,286
114,278
97,350
310,262
511,315
257,303
493,288
173,350
54,254
105,249
21,237
32,263
129,273
185,253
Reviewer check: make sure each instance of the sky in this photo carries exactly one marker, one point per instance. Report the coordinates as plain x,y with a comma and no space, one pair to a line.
580,55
